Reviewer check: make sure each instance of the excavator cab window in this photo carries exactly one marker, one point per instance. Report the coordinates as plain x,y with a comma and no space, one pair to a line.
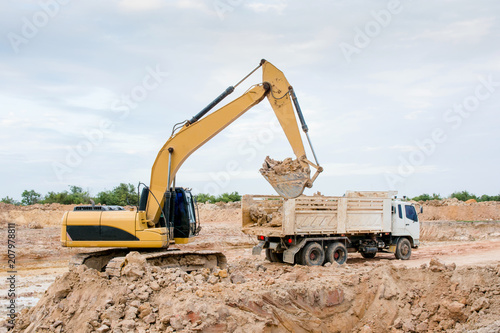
184,214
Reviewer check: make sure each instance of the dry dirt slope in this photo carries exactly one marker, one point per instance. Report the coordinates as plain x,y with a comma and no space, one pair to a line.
282,298
256,296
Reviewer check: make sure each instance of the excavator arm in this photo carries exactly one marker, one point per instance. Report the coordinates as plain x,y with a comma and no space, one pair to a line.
196,132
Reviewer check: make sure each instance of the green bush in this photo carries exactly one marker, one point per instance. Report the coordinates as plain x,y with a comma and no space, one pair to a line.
485,197
30,197
75,196
463,196
427,197
122,195
11,201
224,197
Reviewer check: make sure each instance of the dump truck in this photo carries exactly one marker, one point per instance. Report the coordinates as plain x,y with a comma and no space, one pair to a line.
314,230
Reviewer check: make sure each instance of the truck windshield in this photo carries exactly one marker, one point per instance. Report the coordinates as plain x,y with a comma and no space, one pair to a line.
411,213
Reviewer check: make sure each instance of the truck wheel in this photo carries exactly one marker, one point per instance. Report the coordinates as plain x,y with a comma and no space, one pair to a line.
313,255
368,255
403,249
336,252
274,256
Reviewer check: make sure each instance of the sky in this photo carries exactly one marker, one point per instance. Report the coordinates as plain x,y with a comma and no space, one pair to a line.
398,95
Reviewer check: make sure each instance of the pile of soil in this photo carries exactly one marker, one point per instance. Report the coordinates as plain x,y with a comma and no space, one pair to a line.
256,296
260,217
33,216
285,167
456,210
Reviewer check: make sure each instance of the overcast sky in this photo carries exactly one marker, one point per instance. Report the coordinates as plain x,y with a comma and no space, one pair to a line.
400,95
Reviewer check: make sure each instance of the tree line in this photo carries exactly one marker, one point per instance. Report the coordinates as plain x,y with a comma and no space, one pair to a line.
126,194
462,196
121,195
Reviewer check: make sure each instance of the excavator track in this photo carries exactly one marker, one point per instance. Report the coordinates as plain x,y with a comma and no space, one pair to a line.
112,261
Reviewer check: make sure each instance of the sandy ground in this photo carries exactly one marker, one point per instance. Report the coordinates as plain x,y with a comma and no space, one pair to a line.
40,258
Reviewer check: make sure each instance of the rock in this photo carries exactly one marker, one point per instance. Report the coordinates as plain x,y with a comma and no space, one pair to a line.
112,313
103,329
451,267
455,307
479,304
128,325
436,266
422,327
213,279
237,278
398,323
63,289
176,323
155,286
149,319
223,273
131,313
408,326
144,310
199,293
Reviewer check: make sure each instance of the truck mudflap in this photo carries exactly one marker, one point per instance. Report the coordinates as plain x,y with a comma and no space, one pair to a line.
289,255
257,249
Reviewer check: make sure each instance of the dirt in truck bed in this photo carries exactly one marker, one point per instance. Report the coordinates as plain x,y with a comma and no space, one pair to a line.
452,283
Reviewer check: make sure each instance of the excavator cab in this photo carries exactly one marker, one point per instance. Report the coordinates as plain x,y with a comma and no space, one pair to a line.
178,214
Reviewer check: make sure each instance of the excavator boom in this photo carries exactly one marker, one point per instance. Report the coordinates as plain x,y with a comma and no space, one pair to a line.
196,132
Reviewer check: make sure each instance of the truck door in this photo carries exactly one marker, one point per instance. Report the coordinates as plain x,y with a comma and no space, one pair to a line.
412,225
398,222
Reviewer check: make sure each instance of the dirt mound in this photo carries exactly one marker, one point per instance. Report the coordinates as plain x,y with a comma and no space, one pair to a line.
256,296
33,216
459,231
456,210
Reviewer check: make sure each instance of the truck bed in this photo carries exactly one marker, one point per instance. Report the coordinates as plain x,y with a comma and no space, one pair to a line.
354,213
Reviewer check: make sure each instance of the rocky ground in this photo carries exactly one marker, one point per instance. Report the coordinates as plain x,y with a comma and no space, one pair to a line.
452,283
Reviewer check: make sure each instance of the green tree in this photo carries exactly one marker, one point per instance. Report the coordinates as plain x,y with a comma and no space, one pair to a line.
224,197
463,196
9,200
30,197
427,197
75,196
122,195
486,197
204,197
229,197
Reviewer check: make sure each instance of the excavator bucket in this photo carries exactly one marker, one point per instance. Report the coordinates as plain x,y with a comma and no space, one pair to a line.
288,178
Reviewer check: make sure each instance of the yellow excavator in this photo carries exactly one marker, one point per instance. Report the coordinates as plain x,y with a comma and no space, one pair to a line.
166,214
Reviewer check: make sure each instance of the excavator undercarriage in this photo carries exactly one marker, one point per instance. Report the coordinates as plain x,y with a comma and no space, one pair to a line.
112,261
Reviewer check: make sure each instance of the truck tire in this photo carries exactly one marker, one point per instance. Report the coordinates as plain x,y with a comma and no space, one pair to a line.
403,249
312,255
274,256
368,255
336,252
